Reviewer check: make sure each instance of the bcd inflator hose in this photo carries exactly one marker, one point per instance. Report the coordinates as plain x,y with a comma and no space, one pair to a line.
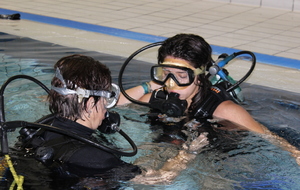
12,125
221,64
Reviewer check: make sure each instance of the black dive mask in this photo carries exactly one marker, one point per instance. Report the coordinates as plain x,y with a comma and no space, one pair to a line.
182,76
168,104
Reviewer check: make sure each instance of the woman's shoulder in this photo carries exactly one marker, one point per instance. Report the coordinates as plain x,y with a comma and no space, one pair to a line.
235,113
226,107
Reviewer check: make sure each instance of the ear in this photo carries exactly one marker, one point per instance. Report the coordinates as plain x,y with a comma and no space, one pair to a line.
197,81
90,103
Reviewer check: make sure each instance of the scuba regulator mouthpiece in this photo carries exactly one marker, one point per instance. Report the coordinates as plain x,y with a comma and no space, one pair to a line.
168,104
111,123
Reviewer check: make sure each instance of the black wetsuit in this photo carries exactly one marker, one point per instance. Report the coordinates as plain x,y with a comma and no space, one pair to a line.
172,131
72,157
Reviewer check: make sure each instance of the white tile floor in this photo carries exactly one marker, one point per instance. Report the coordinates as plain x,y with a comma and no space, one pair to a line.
262,30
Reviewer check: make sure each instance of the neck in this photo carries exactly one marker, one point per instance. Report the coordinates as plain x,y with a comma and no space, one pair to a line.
189,99
85,122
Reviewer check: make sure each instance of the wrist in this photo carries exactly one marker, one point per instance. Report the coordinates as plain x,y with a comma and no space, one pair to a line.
147,87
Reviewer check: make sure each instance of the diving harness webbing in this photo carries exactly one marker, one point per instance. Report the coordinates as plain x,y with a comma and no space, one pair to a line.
6,164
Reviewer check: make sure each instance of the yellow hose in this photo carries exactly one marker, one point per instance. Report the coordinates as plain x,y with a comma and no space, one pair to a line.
18,179
3,168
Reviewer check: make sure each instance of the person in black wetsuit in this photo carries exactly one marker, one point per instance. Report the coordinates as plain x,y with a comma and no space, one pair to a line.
181,73
80,95
180,80
181,76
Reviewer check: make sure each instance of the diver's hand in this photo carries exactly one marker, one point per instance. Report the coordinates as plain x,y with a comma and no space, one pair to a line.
173,166
197,144
155,177
168,172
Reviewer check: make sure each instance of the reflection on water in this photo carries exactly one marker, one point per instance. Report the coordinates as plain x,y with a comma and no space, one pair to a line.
242,160
278,110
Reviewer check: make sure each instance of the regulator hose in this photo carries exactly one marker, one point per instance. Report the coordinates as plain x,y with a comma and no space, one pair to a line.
7,126
235,85
2,116
232,87
3,132
123,68
17,124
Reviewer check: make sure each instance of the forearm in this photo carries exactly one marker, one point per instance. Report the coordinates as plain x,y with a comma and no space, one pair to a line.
179,162
135,93
281,142
168,172
141,93
175,165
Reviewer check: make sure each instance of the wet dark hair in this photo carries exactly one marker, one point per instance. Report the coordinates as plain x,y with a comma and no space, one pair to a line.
77,71
196,51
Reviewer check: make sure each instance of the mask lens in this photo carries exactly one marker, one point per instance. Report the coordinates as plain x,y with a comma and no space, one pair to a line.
159,74
112,100
181,75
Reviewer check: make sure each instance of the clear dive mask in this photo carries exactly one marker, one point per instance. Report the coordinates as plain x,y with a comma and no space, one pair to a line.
182,76
111,97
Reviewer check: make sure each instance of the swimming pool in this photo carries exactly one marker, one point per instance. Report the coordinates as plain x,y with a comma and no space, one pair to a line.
248,161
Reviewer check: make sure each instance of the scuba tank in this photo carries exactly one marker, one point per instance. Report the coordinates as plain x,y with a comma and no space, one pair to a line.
219,75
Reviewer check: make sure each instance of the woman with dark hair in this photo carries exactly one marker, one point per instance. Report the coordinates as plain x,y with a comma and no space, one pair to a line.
80,95
180,74
182,62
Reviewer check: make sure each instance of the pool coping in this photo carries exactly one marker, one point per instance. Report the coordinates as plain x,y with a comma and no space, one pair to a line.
262,58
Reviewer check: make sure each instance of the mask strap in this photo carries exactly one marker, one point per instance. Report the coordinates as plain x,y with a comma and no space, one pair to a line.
82,93
199,71
60,77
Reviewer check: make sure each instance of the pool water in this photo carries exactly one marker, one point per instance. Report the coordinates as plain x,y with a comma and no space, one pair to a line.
240,160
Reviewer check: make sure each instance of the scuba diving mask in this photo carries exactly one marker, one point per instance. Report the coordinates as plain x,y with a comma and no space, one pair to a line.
110,97
182,76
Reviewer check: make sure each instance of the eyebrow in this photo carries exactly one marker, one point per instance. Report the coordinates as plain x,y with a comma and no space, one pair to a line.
177,70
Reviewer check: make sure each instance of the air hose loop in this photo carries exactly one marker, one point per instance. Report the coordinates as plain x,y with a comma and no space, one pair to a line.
8,126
